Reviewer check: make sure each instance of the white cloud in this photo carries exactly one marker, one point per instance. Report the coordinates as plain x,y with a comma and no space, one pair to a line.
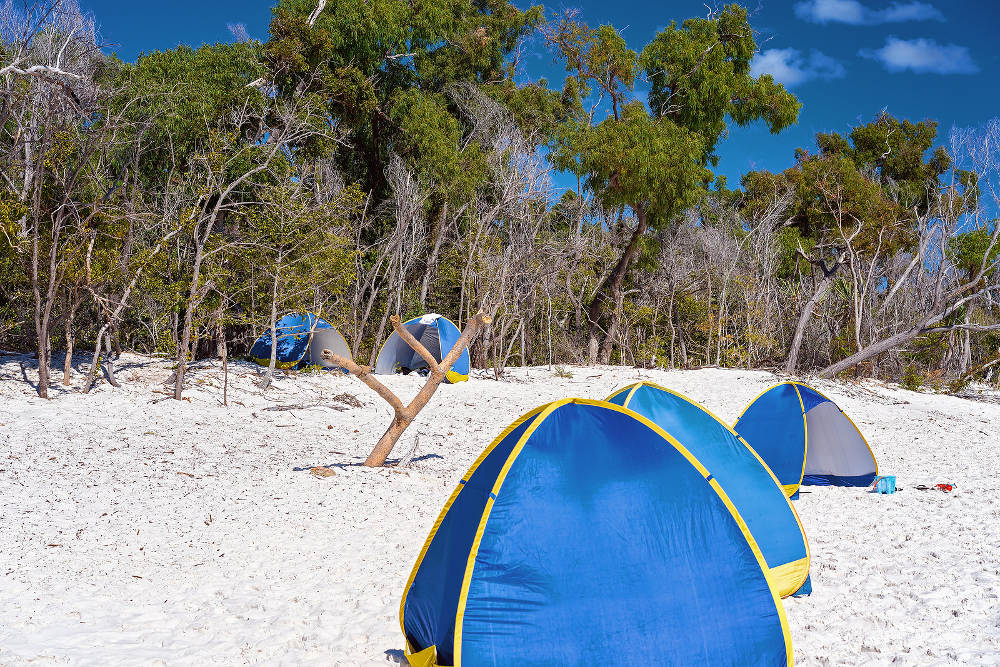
924,56
855,13
791,67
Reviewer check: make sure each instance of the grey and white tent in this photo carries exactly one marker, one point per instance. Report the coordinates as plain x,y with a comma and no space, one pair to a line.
436,333
805,438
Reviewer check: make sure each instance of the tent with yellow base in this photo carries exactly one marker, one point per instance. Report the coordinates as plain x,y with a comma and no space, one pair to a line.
301,339
436,333
750,484
804,438
585,534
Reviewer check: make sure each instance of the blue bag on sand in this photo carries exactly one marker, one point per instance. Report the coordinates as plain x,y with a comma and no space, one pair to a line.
885,484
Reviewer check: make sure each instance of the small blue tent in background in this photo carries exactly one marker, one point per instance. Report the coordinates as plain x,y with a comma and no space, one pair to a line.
586,535
804,438
301,339
438,334
750,484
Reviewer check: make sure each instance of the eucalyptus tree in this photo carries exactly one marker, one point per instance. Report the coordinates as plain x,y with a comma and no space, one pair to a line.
298,250
855,205
957,256
652,157
383,70
59,135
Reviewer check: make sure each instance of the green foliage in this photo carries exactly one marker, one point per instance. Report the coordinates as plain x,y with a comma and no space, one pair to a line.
429,134
912,378
643,161
700,76
656,162
972,250
562,372
178,98
836,201
383,68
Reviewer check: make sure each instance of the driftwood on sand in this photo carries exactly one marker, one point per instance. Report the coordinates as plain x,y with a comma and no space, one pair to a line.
405,414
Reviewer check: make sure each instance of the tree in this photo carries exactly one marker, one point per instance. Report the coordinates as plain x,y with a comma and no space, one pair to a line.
62,168
297,245
382,70
855,203
217,184
653,159
958,252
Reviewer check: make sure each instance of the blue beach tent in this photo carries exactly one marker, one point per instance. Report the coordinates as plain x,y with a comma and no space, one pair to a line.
750,484
806,439
438,334
586,535
301,339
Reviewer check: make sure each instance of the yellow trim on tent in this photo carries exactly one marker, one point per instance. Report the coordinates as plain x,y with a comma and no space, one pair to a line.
424,658
805,435
546,411
463,593
291,364
451,499
782,618
277,364
454,376
863,438
862,435
788,578
790,586
347,346
755,400
790,489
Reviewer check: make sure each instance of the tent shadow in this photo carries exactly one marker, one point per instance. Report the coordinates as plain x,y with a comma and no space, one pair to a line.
390,463
396,656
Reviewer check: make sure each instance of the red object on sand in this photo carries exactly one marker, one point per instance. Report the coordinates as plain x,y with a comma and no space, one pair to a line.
944,487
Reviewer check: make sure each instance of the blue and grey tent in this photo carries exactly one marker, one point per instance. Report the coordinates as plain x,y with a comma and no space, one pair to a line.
587,535
750,484
804,438
301,340
437,333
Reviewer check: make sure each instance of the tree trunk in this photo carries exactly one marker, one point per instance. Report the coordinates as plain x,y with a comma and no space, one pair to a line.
601,337
873,350
388,440
965,355
225,363
68,362
800,329
40,337
273,361
108,366
43,364
432,260
403,416
184,344
92,373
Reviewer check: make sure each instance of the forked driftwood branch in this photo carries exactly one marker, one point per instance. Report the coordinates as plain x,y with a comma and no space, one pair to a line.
405,414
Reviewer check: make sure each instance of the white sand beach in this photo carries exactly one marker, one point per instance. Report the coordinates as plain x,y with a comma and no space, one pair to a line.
138,530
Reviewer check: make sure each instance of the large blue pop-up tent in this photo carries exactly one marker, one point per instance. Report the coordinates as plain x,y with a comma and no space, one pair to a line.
587,535
750,484
302,338
438,334
804,438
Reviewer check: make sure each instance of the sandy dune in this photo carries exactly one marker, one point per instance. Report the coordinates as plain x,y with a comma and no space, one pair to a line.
142,531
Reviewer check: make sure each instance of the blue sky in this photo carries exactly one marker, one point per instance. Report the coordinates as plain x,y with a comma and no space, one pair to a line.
845,59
